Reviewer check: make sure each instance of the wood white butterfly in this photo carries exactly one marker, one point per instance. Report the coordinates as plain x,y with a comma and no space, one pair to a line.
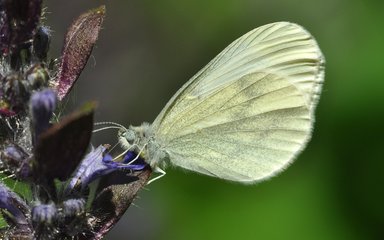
246,115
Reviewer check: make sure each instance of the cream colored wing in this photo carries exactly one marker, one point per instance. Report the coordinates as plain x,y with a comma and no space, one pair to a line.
249,111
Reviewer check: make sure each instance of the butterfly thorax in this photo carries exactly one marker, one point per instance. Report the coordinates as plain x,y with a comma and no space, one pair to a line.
142,140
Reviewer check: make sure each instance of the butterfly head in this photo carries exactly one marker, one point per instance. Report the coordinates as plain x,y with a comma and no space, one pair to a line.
127,138
135,137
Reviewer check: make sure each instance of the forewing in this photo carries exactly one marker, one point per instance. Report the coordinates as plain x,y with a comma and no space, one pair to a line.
249,111
282,48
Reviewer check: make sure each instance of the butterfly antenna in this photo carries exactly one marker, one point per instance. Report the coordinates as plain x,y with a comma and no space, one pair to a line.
105,128
110,123
113,126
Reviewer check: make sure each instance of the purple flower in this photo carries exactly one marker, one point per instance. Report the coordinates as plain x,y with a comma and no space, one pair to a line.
73,207
16,208
17,161
97,164
89,169
138,165
42,105
44,213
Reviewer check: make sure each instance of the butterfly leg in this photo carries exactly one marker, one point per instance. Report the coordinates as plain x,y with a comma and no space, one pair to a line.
157,170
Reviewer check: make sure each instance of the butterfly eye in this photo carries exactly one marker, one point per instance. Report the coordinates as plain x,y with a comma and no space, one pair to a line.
129,135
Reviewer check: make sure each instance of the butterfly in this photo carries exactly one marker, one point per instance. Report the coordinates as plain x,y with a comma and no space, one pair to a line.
245,116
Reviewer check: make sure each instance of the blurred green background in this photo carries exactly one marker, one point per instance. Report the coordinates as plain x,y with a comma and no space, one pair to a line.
334,190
